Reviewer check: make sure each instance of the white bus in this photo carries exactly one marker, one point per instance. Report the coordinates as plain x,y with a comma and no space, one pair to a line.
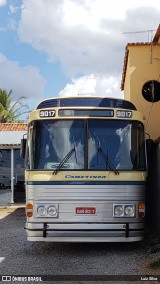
85,171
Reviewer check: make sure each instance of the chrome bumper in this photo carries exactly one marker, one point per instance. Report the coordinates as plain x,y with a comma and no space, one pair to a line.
85,232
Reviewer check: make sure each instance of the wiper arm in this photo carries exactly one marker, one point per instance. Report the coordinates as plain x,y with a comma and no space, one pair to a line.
65,159
108,161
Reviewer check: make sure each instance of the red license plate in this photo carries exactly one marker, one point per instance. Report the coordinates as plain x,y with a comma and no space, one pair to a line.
85,210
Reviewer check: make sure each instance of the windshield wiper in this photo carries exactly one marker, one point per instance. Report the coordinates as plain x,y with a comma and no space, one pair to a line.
108,161
65,159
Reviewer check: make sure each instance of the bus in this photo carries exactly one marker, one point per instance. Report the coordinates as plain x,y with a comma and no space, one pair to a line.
85,173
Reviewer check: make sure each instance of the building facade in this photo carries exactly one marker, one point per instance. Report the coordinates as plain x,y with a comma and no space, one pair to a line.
11,163
141,81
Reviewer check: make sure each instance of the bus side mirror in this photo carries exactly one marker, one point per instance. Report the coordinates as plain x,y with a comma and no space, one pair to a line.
23,147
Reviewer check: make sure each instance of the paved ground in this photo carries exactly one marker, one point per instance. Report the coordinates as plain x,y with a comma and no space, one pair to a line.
20,257
68,259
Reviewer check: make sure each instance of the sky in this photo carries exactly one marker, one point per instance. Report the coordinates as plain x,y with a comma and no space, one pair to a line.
51,48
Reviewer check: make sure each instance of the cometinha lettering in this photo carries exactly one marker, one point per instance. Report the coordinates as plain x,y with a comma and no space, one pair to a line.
86,177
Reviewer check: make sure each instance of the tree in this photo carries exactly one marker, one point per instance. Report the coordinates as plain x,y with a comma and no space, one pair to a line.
10,110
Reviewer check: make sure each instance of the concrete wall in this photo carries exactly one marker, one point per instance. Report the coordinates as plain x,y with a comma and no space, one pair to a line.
143,65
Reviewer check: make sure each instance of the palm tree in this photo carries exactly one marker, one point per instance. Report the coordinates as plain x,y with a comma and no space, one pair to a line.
11,110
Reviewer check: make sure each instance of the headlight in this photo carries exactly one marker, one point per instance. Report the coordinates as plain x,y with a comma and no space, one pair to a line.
129,210
118,210
47,210
52,211
41,210
124,210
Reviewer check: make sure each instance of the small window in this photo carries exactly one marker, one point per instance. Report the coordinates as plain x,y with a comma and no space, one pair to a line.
151,91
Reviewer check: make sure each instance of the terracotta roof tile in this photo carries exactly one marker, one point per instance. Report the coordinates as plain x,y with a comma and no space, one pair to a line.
126,58
13,127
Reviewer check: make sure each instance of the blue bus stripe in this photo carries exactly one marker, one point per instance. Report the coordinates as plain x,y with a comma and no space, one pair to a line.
86,182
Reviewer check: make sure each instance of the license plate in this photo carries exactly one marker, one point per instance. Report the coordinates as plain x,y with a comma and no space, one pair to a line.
85,210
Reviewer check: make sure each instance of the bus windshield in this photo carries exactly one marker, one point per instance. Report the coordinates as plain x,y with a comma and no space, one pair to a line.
88,144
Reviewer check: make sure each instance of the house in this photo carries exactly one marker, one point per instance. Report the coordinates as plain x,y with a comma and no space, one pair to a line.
11,163
141,80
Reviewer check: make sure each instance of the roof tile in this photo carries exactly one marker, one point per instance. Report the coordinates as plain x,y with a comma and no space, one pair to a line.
13,127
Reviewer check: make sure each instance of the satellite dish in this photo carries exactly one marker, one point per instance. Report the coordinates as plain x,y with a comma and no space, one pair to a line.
151,91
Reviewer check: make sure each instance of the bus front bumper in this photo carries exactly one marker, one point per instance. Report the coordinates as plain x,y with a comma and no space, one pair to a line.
85,232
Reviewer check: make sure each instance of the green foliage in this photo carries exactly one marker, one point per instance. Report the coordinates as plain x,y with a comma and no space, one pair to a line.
155,264
10,110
